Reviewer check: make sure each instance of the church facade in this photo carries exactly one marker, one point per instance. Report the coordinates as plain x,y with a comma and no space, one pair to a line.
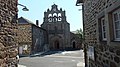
58,28
59,35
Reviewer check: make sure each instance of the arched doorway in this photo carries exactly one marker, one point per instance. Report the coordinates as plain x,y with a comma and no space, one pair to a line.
56,44
74,44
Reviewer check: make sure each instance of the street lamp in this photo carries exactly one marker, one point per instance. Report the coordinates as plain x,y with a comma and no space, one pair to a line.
79,2
25,8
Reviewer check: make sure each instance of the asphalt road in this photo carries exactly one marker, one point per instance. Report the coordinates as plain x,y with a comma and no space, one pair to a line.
54,59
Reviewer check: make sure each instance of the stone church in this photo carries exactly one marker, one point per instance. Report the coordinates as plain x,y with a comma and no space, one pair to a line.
59,35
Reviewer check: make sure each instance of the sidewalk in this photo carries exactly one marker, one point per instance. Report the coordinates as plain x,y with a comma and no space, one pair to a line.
38,54
81,63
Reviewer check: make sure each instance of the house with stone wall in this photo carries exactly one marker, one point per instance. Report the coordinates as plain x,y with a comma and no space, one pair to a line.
101,25
31,37
8,33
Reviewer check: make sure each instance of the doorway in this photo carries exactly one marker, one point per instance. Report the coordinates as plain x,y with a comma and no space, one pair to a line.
74,44
56,44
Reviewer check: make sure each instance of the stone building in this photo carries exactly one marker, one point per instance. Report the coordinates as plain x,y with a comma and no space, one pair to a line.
58,28
8,32
101,22
75,41
31,37
59,35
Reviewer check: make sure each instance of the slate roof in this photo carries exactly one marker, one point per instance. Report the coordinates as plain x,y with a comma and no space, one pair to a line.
23,20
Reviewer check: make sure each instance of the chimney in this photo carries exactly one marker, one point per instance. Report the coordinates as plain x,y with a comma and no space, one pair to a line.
37,22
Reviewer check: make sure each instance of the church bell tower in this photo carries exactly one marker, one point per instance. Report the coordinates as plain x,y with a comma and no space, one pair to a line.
58,28
54,15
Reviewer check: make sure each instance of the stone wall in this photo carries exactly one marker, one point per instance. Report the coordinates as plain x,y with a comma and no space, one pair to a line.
31,37
75,41
38,39
8,32
106,52
24,38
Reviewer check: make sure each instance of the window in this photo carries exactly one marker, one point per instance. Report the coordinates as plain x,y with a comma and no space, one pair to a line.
50,19
59,19
25,47
104,31
55,15
59,14
50,15
55,19
116,23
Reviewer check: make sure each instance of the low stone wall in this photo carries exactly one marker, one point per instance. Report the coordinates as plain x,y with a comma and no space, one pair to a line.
8,34
107,56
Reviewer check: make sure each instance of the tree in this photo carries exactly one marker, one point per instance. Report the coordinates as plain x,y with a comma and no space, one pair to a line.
80,33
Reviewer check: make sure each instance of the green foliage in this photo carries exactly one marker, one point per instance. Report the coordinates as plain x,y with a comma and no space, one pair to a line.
80,33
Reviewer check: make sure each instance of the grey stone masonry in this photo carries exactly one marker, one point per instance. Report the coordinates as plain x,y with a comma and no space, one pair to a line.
100,33
8,33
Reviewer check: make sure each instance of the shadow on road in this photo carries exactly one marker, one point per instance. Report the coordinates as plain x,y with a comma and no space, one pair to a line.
42,54
45,53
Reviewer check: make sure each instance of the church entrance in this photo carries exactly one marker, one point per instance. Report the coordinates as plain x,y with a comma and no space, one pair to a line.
74,44
56,44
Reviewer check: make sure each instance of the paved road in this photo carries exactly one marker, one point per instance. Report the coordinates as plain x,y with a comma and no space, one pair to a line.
54,59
